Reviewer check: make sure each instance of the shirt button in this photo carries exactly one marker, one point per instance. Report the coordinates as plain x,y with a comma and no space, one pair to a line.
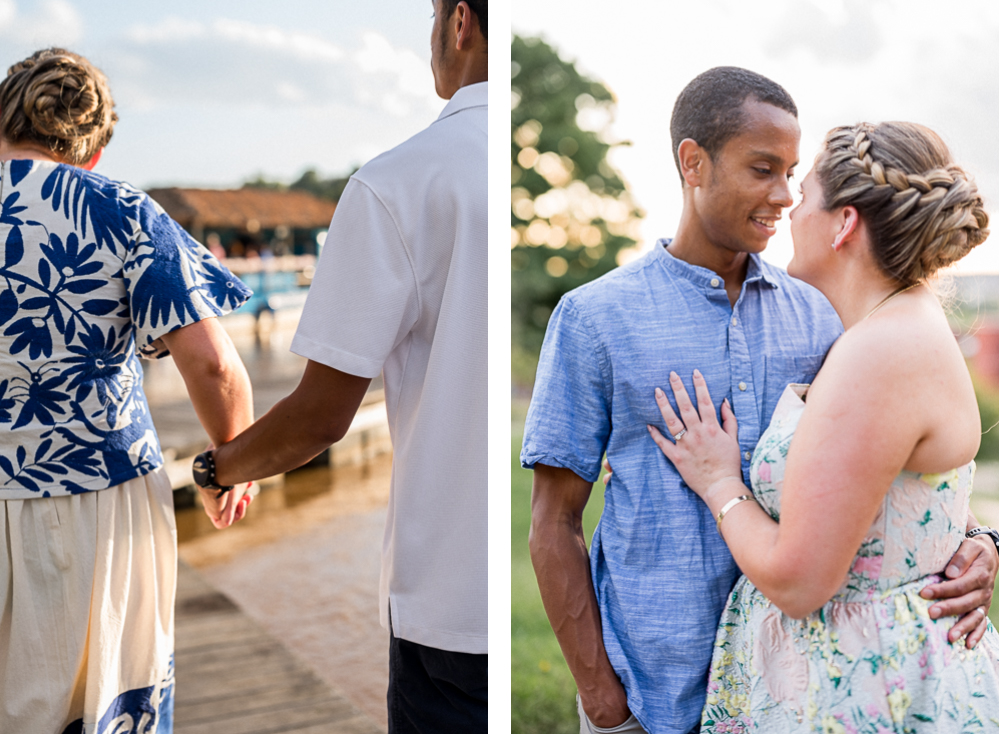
746,455
742,386
734,321
715,282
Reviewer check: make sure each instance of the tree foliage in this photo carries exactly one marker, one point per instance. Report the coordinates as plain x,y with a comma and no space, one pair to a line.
571,213
324,188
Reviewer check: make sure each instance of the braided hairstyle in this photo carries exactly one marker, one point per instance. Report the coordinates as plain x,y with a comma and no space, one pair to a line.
59,101
922,211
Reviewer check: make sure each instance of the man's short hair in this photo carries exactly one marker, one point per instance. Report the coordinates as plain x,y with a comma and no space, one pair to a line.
710,108
477,6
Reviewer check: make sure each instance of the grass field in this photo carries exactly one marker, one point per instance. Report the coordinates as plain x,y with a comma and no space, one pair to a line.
542,690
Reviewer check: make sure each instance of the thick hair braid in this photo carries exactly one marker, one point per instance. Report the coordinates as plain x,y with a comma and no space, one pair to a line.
57,100
923,211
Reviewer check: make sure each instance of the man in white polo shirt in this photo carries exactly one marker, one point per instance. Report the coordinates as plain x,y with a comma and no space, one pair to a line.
401,289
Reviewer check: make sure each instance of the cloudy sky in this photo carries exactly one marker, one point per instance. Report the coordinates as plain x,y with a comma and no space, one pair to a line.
212,93
842,60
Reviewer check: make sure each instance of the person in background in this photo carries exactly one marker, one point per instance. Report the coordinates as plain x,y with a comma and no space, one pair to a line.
400,288
94,276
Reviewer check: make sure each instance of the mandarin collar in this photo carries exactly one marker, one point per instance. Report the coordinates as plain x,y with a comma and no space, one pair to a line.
705,277
471,95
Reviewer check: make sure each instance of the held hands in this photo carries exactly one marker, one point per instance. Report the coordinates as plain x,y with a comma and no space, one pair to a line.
704,452
229,508
225,508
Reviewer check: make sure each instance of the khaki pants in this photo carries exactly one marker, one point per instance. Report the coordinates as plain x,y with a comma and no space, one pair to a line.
630,726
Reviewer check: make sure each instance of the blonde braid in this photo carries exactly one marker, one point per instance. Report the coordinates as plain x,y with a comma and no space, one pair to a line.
923,212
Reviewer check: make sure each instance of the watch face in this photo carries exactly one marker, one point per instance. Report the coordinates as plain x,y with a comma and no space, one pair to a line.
202,471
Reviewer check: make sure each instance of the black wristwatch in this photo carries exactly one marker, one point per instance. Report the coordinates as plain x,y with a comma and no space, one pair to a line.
203,471
986,531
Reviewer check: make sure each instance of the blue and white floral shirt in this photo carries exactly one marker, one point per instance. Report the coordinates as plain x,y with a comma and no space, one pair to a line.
92,273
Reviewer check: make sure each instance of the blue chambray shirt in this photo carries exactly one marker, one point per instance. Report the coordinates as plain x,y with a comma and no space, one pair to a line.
660,569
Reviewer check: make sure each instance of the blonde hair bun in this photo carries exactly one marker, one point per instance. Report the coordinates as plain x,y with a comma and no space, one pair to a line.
57,100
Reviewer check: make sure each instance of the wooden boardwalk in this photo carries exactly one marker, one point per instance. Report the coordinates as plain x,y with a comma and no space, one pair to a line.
234,678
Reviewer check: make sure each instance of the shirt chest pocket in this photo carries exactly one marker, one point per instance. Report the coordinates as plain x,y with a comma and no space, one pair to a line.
780,371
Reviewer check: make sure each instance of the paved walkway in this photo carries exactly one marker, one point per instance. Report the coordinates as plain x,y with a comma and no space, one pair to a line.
277,617
233,677
307,571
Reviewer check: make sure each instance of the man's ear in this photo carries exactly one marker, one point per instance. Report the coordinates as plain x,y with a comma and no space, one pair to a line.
466,25
848,225
692,158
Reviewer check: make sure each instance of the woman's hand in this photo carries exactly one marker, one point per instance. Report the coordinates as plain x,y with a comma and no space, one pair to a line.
229,508
704,452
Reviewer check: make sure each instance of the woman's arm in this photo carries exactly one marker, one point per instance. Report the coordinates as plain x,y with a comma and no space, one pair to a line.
864,419
219,388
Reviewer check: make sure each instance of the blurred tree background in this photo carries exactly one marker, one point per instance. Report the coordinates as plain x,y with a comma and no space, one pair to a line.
571,213
309,181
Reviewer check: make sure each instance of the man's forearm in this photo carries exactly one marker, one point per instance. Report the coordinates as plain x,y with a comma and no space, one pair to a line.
562,568
300,426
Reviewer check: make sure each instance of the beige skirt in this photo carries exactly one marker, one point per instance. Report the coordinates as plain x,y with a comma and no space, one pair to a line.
87,611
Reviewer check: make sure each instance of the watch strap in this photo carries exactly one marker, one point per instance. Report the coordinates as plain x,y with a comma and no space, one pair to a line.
984,530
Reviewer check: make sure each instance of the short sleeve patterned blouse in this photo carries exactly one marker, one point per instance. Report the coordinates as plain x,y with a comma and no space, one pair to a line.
92,273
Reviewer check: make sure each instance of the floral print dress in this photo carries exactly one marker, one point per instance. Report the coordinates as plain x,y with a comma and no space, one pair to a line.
871,660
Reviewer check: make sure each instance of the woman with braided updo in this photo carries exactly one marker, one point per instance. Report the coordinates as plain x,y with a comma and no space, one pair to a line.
93,275
869,468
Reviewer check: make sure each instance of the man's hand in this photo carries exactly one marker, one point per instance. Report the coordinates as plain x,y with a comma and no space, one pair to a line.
606,707
229,508
968,592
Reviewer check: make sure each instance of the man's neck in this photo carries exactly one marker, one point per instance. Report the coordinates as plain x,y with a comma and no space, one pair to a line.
474,72
729,265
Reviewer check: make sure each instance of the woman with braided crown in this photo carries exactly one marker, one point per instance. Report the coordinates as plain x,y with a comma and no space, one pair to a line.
869,468
94,275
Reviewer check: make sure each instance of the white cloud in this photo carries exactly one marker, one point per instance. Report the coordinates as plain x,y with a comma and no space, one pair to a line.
300,45
242,65
168,30
55,23
8,11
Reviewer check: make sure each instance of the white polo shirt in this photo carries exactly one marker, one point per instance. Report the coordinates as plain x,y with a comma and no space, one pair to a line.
400,288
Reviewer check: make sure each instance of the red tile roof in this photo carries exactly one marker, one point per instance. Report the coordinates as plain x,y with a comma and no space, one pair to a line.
234,208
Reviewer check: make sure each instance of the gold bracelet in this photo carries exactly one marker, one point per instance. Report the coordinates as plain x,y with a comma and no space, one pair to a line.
730,505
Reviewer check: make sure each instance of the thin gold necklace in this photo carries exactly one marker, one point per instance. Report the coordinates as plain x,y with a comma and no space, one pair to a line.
890,297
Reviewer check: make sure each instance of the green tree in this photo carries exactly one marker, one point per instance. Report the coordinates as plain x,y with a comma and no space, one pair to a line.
571,213
324,188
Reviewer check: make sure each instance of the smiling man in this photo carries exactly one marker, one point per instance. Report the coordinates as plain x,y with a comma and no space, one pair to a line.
637,619
401,289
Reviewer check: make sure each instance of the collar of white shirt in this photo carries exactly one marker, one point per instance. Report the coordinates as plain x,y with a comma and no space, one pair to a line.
471,95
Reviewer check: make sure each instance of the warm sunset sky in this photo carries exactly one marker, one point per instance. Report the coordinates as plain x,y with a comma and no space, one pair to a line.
842,61
212,93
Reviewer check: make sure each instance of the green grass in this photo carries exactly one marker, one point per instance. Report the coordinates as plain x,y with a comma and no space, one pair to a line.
542,689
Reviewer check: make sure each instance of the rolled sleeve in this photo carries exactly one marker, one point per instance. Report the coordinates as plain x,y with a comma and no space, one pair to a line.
569,419
364,298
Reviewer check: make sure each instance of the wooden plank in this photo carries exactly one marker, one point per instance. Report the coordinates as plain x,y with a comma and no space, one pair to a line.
233,677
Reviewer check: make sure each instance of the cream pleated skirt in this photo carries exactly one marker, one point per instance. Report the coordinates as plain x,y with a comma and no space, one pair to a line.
87,611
